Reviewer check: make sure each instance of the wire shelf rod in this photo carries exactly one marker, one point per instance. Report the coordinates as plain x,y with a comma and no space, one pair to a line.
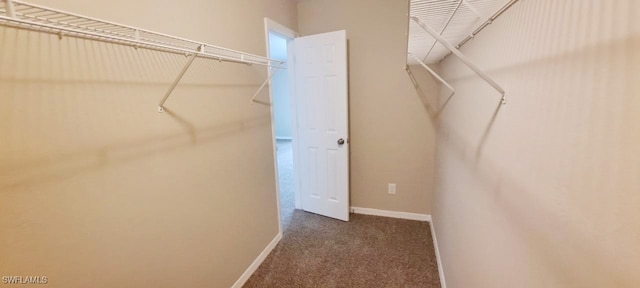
36,17
460,56
26,16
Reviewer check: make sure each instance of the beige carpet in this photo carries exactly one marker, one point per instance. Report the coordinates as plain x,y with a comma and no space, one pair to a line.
367,251
286,181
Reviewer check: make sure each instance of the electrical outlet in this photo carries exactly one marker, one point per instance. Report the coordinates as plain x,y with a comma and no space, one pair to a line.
392,188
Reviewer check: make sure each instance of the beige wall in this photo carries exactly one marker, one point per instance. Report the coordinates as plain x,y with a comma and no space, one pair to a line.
98,189
392,138
543,192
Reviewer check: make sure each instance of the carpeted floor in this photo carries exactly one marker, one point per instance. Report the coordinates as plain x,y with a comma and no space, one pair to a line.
367,251
285,181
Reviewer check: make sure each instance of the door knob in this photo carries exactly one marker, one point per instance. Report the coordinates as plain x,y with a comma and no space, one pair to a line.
340,141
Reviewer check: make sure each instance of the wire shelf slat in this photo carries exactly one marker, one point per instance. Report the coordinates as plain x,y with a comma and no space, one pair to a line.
40,18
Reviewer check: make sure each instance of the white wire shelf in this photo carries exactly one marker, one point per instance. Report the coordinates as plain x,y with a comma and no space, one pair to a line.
22,15
457,21
435,24
28,16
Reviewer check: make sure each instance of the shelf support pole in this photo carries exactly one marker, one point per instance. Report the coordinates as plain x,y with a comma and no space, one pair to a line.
461,56
253,99
444,82
11,12
177,80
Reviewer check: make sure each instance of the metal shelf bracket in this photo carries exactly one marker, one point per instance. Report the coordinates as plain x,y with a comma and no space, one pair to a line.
177,80
461,56
444,82
277,68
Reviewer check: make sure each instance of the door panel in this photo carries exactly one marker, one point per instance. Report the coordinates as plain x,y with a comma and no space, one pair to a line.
322,102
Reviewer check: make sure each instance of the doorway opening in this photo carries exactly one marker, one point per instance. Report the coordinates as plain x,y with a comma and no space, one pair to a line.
312,156
283,114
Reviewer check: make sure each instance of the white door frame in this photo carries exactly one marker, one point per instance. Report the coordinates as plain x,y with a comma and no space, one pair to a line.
290,35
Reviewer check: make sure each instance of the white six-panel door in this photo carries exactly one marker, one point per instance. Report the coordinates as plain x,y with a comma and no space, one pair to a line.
321,86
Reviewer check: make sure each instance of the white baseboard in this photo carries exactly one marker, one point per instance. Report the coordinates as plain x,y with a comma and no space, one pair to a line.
256,263
443,284
391,214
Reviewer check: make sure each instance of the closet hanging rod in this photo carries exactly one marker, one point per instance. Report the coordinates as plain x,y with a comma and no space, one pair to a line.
29,16
461,56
